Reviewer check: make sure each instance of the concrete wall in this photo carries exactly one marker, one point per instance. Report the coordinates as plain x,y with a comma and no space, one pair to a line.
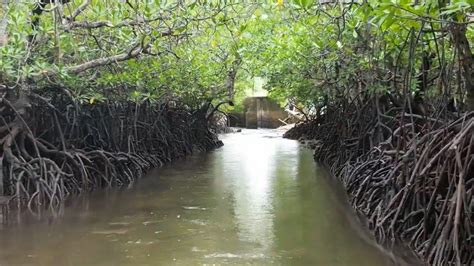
261,112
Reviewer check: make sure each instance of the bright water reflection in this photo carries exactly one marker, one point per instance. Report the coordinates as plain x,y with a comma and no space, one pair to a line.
258,200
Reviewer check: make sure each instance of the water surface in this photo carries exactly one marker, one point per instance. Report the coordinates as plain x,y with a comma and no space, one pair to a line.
258,200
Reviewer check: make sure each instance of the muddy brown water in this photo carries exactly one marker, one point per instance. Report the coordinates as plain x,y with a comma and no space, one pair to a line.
258,200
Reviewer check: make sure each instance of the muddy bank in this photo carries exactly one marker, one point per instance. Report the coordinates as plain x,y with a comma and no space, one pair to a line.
410,175
53,146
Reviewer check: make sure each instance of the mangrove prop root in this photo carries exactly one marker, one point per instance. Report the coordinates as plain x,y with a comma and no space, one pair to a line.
50,151
412,177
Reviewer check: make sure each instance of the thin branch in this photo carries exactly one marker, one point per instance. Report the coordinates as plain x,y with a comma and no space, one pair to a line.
79,10
134,52
100,24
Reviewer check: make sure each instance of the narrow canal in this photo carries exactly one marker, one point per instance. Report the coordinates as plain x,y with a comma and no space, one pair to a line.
258,200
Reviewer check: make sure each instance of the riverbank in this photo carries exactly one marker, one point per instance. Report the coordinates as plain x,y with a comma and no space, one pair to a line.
54,146
410,176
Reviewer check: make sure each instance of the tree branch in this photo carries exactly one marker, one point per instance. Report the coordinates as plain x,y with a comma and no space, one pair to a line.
100,24
134,52
79,10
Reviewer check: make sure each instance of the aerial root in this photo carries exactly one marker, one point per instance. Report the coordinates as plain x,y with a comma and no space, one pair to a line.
415,183
49,154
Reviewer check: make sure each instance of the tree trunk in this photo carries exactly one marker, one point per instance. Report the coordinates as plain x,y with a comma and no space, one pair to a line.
4,22
232,74
466,59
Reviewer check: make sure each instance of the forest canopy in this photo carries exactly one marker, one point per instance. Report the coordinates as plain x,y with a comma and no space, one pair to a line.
196,50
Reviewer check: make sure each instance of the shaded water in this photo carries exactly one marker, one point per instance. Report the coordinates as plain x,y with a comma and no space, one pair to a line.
258,200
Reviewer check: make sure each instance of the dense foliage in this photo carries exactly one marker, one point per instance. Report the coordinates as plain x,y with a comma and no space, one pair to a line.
132,50
197,50
400,47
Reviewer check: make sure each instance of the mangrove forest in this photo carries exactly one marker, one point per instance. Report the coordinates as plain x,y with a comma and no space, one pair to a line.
210,132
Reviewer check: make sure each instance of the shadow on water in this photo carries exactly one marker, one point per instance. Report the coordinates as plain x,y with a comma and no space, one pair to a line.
258,200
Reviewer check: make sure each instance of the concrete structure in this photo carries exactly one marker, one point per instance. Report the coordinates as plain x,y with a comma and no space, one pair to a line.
259,110
262,112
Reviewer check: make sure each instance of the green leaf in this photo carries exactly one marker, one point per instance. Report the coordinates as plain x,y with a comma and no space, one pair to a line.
305,4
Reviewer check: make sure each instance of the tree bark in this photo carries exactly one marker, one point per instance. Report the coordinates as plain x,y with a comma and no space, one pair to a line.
232,74
3,23
466,58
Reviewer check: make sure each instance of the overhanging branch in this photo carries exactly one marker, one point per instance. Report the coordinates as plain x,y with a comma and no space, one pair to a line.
134,52
108,24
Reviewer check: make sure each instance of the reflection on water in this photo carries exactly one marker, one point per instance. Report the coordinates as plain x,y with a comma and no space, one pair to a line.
258,200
